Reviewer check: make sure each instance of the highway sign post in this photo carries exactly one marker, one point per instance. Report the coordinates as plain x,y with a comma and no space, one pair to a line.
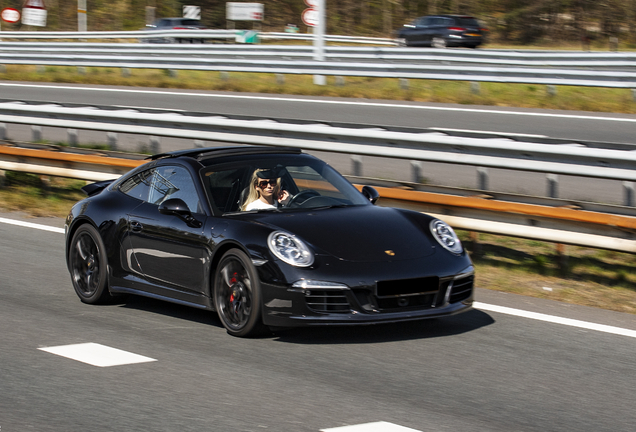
314,17
34,13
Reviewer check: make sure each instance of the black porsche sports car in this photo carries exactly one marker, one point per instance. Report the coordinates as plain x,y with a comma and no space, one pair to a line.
177,229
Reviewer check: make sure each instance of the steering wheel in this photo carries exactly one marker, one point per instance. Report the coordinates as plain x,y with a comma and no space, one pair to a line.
307,193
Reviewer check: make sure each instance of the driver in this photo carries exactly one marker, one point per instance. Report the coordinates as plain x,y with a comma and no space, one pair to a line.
265,190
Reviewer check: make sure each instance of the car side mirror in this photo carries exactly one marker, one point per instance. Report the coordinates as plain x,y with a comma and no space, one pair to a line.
371,194
178,207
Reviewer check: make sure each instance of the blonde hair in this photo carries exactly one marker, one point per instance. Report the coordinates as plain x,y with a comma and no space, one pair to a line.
254,192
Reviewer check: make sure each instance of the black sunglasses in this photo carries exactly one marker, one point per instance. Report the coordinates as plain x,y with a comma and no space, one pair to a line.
263,183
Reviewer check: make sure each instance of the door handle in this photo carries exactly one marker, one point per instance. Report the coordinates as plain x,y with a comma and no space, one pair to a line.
136,226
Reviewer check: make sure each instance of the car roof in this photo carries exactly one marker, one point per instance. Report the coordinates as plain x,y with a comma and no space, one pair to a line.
214,152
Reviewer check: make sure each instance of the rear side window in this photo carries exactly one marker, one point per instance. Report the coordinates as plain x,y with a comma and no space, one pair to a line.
159,184
467,22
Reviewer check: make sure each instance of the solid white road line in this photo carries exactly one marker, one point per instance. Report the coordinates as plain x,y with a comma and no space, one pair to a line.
32,225
477,305
97,355
555,319
371,427
329,102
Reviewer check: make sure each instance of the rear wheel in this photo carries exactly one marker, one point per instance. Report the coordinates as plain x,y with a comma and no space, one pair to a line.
237,295
88,266
438,42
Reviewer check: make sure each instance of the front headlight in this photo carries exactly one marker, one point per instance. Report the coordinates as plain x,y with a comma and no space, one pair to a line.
290,249
445,235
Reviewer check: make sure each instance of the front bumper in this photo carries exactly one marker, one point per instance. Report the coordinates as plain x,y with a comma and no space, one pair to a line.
418,295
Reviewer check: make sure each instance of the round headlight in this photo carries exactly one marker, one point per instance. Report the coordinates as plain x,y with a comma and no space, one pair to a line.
290,249
445,235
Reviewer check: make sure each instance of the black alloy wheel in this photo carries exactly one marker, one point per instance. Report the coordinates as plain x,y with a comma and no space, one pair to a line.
237,295
88,266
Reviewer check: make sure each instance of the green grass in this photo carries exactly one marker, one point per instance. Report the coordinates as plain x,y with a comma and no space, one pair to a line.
584,276
459,92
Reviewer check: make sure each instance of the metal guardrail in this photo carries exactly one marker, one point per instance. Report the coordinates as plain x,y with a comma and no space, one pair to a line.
501,58
210,34
597,227
525,153
545,68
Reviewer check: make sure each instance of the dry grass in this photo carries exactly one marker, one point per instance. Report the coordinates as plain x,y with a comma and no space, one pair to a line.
583,276
492,94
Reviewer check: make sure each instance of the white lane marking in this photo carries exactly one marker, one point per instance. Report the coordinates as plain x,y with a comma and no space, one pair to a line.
32,225
97,355
555,319
371,427
331,102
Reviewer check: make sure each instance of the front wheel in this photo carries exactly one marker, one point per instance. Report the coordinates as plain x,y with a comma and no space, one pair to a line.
237,295
88,266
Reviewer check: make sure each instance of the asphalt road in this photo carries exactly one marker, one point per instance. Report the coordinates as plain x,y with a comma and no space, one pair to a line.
557,124
480,371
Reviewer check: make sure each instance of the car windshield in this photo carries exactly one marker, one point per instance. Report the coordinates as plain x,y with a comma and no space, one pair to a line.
309,183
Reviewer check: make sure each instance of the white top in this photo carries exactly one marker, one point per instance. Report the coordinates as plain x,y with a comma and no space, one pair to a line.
260,205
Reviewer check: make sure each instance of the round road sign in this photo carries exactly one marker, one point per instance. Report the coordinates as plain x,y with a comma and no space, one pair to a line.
310,17
10,15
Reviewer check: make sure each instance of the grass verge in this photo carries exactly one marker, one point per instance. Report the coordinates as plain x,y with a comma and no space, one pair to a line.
583,276
439,91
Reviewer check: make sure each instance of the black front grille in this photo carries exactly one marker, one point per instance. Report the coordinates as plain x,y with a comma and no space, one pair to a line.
462,289
331,301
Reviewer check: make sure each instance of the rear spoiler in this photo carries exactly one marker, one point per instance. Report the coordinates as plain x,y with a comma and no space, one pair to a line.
95,188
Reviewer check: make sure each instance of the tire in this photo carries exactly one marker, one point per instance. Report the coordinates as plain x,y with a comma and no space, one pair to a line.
237,295
438,42
88,266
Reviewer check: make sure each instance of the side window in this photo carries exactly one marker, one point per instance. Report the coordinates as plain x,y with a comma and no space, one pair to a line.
138,186
225,188
174,182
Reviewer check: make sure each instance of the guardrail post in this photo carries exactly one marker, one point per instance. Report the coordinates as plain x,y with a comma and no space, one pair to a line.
155,144
634,95
553,185
81,70
36,133
3,178
404,84
3,131
482,178
416,172
280,79
73,137
340,81
3,68
224,75
475,88
125,72
628,188
172,73
356,166
551,90
111,137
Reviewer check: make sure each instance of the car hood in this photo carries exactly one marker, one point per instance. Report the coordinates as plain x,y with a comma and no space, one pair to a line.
359,233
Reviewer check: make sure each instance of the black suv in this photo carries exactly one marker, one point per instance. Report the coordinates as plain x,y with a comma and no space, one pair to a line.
441,31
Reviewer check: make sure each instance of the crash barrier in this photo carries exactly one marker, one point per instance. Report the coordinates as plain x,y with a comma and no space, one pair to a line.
543,68
210,35
464,209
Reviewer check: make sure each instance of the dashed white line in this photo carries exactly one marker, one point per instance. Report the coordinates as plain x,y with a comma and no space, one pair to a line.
97,355
371,427
32,225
